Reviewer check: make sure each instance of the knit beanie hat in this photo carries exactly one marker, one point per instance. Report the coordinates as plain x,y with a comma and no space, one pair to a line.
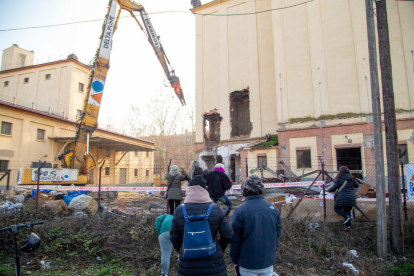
219,165
174,168
252,186
198,180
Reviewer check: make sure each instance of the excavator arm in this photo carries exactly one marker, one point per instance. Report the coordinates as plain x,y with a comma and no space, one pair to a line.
80,157
155,42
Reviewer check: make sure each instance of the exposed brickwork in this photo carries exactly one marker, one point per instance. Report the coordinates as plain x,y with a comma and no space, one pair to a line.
323,137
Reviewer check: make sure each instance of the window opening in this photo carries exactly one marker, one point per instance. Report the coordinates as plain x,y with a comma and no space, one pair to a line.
303,159
6,128
240,113
211,127
135,172
108,153
78,114
261,161
4,165
350,157
403,154
106,170
26,80
6,83
146,153
147,173
136,153
40,134
47,77
81,87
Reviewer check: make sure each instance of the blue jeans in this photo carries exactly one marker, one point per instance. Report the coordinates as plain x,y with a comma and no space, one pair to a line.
224,199
343,211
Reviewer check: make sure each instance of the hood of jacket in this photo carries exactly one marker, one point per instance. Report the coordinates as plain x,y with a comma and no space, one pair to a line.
346,176
197,194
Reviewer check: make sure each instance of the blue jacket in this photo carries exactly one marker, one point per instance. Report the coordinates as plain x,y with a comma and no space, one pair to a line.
257,228
346,197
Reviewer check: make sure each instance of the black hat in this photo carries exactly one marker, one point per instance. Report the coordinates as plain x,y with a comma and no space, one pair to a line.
198,180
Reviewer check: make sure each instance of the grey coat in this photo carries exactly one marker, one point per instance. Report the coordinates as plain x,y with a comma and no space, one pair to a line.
175,190
346,197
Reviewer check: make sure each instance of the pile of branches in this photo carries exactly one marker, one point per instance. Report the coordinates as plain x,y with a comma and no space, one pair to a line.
82,241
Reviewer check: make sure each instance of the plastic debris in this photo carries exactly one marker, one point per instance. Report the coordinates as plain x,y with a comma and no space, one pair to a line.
83,203
313,225
10,207
354,252
99,259
45,265
353,269
80,215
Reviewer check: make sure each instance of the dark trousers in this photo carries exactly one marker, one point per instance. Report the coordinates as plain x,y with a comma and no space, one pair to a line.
224,199
343,211
173,202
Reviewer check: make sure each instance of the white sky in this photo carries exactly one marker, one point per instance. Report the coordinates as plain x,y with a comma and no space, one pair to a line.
135,72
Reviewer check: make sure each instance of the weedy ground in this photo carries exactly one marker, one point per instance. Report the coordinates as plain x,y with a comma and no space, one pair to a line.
113,245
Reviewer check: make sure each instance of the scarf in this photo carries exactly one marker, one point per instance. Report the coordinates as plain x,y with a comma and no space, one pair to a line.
219,169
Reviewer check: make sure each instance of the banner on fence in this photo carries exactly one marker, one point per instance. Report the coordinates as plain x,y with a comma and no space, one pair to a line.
156,189
409,173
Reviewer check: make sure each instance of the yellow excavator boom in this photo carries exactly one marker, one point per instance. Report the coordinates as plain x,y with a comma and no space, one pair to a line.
80,157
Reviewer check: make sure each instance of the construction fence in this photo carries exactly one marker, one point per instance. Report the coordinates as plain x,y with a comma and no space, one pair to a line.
297,190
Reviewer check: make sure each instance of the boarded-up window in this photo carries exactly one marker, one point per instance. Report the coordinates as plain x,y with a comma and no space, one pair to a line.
240,113
40,134
22,60
303,158
261,161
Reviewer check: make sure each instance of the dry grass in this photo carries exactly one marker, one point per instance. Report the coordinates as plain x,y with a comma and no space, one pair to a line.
72,244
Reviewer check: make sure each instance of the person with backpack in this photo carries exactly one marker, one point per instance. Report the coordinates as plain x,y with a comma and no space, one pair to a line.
345,198
163,227
217,184
194,233
257,227
174,195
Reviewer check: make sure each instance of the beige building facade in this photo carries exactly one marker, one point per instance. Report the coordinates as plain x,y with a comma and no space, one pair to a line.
39,107
290,69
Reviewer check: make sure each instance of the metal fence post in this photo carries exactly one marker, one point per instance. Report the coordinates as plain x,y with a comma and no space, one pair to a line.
99,189
404,191
323,185
38,180
8,180
247,169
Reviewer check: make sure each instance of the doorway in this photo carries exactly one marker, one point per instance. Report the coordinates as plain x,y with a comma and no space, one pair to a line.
122,176
350,157
233,169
